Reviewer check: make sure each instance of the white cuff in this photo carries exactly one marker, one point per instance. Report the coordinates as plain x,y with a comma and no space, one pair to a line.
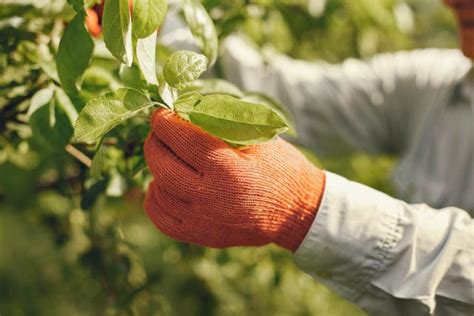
351,237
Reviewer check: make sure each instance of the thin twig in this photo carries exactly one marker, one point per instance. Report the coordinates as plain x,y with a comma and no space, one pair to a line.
79,155
106,141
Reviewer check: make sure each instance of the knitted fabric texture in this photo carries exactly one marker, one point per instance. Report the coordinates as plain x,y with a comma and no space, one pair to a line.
209,193
464,12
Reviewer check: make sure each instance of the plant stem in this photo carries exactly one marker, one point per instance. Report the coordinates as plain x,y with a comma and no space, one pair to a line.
79,155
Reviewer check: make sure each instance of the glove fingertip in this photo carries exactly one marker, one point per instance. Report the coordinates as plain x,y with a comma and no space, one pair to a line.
166,122
159,115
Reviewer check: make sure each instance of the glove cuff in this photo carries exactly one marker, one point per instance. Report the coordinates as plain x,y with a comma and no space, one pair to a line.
293,229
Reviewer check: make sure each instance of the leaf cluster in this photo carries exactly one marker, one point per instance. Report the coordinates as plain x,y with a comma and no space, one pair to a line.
131,38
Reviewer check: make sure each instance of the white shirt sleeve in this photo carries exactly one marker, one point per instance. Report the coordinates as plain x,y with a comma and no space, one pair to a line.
389,257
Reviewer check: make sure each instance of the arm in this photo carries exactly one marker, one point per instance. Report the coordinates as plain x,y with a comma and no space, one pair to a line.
374,105
372,249
389,257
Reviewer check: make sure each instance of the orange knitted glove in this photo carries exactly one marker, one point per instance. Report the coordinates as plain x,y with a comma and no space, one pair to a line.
464,12
209,193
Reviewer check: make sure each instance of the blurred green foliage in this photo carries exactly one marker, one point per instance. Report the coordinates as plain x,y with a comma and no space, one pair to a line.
106,258
338,29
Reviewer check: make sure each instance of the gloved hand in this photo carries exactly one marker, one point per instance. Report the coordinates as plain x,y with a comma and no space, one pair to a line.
209,193
464,12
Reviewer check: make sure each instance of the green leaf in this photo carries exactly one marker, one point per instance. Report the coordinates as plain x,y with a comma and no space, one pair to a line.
74,53
97,163
146,57
97,79
102,114
66,105
236,121
167,93
147,16
202,27
117,30
185,103
45,97
213,86
183,67
40,99
50,69
276,105
130,76
51,127
78,5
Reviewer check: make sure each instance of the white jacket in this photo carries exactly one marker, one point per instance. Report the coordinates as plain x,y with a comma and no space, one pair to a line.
387,256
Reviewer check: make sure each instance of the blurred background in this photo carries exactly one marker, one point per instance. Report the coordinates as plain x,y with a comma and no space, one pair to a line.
98,254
